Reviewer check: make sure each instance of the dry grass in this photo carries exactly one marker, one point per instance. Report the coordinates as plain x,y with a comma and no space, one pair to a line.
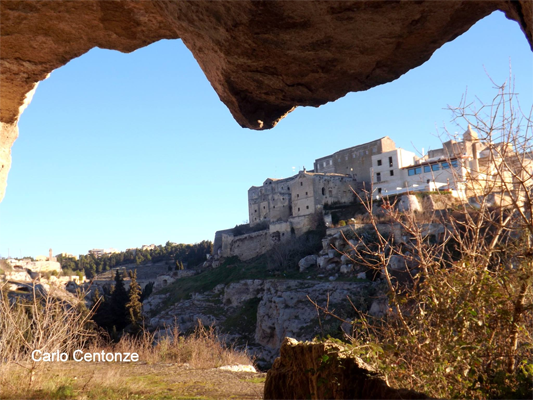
43,323
202,349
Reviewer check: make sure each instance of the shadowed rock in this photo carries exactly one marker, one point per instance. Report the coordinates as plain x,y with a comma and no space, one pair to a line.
322,371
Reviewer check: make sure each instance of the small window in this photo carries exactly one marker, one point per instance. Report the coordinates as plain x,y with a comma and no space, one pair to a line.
454,163
445,165
378,177
427,168
306,194
418,170
330,162
435,167
298,195
391,172
273,206
390,162
379,163
301,183
324,163
411,171
323,191
298,208
307,207
379,190
264,207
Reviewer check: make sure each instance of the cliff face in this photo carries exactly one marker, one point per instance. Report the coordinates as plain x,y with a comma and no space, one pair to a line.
262,58
261,313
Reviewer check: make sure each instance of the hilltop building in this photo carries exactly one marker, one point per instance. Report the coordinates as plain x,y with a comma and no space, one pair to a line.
282,208
100,252
465,168
355,161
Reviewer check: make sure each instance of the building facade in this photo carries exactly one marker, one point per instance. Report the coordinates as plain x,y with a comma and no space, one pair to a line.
355,161
270,202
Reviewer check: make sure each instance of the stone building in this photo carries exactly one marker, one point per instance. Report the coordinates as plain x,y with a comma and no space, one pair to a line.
467,168
355,161
270,202
310,191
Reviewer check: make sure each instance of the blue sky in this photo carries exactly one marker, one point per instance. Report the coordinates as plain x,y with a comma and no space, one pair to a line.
119,150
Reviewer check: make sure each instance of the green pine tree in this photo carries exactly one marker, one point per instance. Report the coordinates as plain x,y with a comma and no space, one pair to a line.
134,305
119,298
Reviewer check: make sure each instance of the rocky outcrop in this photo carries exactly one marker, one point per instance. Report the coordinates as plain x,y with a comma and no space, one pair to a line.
325,371
263,58
286,309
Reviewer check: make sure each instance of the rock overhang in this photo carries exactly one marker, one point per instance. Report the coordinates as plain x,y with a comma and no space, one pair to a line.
263,58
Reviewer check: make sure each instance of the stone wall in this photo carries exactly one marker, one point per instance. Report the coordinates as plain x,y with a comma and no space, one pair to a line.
280,231
246,246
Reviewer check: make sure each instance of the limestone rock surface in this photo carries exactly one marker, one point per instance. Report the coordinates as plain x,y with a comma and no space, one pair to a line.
322,371
263,58
285,309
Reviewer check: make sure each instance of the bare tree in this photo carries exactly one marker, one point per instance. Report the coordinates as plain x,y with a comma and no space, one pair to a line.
460,325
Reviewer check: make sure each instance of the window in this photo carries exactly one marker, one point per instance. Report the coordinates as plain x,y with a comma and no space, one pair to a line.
307,207
379,163
323,191
427,168
298,208
435,167
301,183
418,170
445,165
391,172
379,190
454,163
378,177
427,181
298,195
390,162
306,194
411,171
324,163
330,162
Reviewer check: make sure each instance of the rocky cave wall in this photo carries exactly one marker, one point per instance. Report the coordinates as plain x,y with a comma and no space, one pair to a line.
263,58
